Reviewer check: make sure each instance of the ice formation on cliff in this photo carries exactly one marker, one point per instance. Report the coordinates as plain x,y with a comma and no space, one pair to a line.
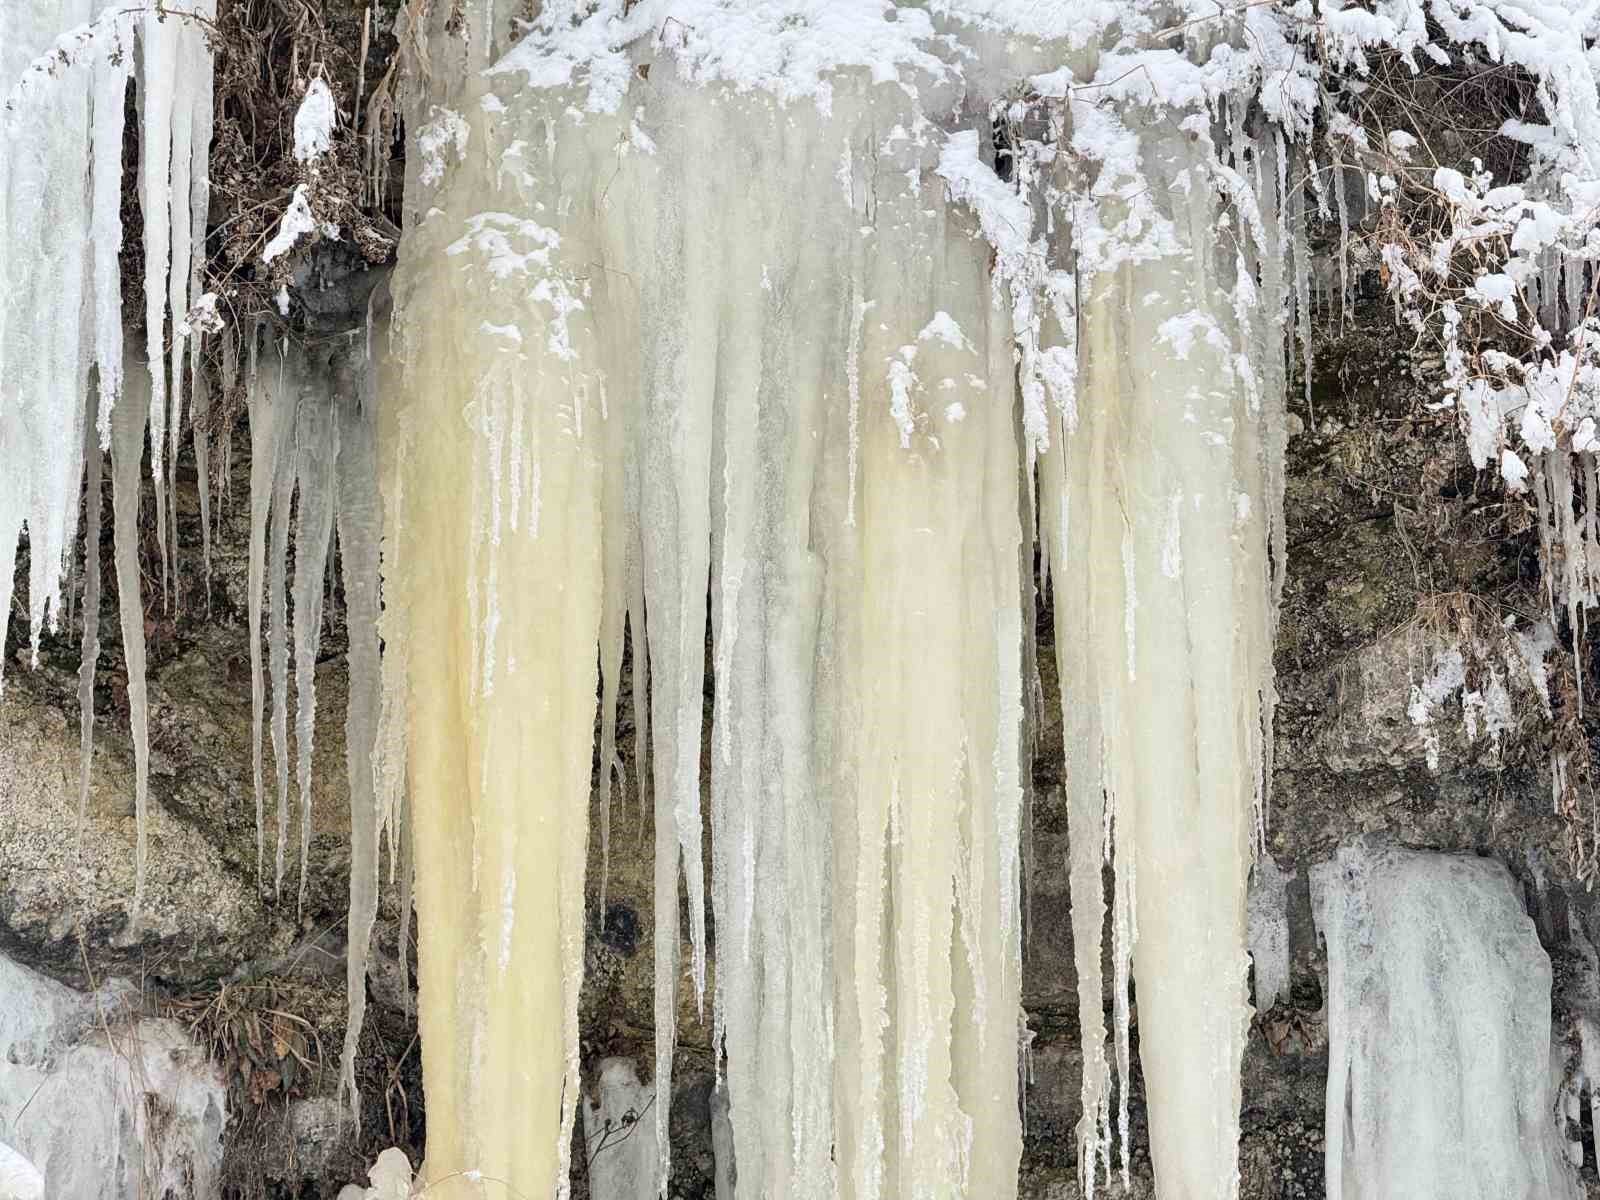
65,69
810,323
103,1104
728,330
1438,1031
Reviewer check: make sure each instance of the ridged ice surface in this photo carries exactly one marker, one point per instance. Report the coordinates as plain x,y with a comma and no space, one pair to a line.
779,399
1439,1044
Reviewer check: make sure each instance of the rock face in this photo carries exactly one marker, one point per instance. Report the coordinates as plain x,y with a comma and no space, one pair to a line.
104,1104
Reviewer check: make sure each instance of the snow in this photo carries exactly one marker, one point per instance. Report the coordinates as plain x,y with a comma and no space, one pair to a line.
296,222
791,49
1513,470
313,122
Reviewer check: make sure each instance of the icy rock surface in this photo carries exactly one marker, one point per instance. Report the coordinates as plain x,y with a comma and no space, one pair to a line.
105,1105
1438,1032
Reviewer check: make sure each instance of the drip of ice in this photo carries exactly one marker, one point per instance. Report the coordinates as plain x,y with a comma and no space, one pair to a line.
1268,921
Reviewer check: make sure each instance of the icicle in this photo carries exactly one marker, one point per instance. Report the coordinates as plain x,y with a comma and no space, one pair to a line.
181,248
91,613
283,477
112,68
800,389
1340,190
360,518
1160,417
44,161
61,129
1302,269
202,467
162,46
620,539
265,436
127,441
316,450
500,866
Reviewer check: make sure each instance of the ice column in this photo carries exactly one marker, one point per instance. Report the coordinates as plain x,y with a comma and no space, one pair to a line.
1158,494
784,384
492,470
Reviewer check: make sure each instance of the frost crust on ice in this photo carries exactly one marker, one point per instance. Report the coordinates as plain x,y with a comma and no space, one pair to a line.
112,1107
1439,1043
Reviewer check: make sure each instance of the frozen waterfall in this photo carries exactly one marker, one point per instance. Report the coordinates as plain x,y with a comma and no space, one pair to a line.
766,344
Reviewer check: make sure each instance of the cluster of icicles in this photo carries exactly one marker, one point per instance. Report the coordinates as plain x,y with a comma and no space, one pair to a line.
629,397
71,390
66,393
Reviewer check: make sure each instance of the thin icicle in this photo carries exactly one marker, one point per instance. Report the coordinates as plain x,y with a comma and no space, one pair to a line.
360,521
127,442
91,612
316,450
202,467
161,43
282,473
263,400
112,69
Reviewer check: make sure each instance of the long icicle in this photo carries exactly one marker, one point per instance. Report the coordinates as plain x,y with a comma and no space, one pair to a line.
317,447
263,407
94,469
282,472
128,424
360,518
